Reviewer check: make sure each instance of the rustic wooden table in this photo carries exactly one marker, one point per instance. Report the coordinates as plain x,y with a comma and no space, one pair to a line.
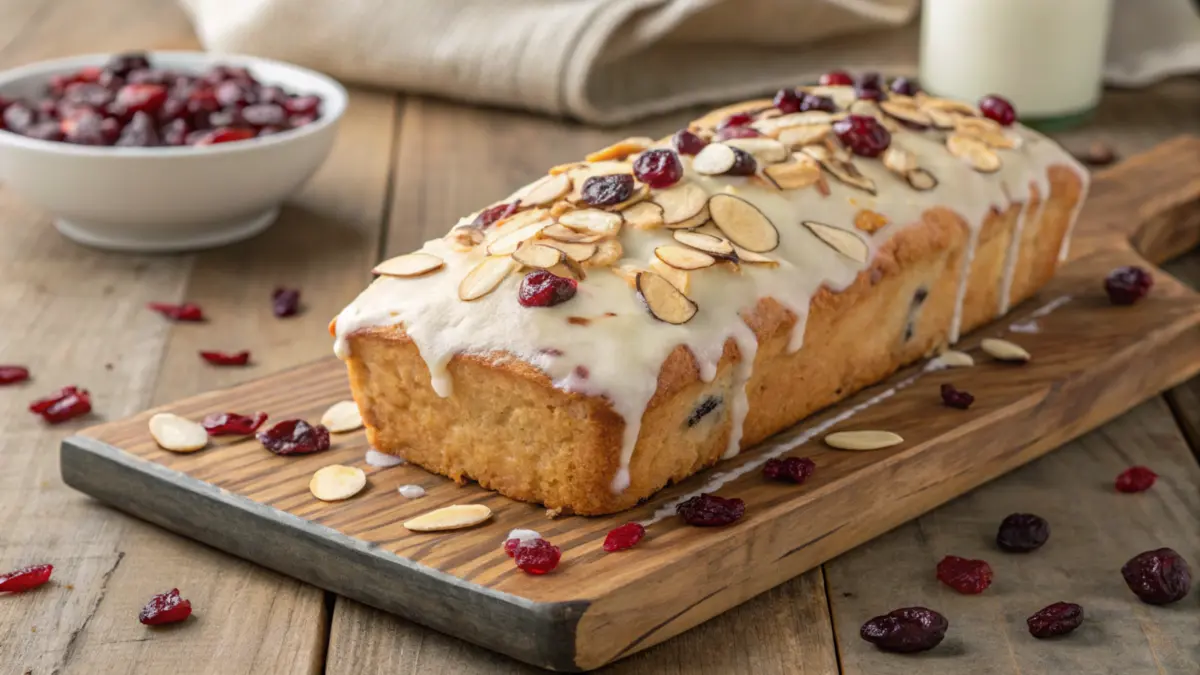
402,169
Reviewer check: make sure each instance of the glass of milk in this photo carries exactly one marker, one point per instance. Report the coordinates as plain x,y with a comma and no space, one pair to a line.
1045,56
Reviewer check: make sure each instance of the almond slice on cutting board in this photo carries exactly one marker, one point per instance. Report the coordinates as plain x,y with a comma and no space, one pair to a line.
862,440
844,242
680,202
453,517
342,417
336,482
1003,350
664,301
711,244
684,258
953,359
409,265
485,277
538,256
177,434
742,223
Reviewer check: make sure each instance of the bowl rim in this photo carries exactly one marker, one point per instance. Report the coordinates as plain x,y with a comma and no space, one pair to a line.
336,107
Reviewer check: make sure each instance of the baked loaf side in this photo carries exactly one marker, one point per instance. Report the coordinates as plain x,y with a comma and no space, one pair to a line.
708,313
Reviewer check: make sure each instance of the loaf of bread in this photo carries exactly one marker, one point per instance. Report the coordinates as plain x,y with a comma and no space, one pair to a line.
629,320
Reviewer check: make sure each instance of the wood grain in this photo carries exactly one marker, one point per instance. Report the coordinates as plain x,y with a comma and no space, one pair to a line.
1185,399
1091,364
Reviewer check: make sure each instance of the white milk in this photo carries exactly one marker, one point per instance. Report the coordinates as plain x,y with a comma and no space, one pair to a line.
1046,56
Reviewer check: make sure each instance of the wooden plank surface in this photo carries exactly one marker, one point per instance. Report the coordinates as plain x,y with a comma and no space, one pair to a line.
1185,399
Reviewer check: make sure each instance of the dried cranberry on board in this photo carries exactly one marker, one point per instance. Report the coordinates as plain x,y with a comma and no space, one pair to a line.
1022,532
13,374
510,546
285,302
537,556
607,190
998,109
233,424
295,437
225,358
687,143
658,168
1158,577
184,312
789,470
836,78
25,579
165,608
1057,619
956,398
863,135
1135,479
906,630
624,537
543,289
707,510
1127,285
969,577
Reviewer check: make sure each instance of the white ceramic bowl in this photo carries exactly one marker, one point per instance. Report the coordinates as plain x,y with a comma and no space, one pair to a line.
170,198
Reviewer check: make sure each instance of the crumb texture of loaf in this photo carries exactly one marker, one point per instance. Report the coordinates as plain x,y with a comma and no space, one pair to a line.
707,314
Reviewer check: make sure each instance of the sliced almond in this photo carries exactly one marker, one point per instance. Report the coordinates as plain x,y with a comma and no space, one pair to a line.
607,252
870,221
545,190
899,160
336,482
946,105
941,119
708,243
798,137
681,202
592,221
765,150
842,95
695,221
953,359
576,252
754,258
485,277
844,171
177,434
843,241
921,180
680,279
566,234
774,125
465,238
538,256
1004,350
985,130
862,440
742,223
564,168
644,216
507,242
714,159
453,517
683,257
342,417
560,207
568,269
906,113
628,273
520,219
664,301
640,192
409,265
795,175
974,152
621,149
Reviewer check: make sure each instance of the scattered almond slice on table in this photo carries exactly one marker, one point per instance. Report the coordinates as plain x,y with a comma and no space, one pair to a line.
453,517
342,417
954,359
1003,350
862,440
337,482
177,434
409,265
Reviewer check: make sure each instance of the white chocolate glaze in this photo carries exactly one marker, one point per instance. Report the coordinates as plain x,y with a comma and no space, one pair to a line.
618,354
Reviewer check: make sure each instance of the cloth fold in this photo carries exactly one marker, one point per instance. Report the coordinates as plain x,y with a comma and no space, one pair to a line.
611,61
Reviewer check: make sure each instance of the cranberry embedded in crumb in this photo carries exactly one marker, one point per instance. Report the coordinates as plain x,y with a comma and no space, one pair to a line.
543,289
623,537
1057,619
787,100
1158,577
964,575
906,630
1127,285
836,78
1022,533
735,120
13,374
295,437
863,134
687,143
1135,479
956,398
25,579
658,168
789,470
998,109
537,556
165,608
707,510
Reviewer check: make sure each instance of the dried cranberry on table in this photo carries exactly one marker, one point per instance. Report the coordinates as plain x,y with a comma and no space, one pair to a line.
536,556
185,312
225,358
1158,577
1022,532
687,143
969,577
707,510
13,374
789,470
165,608
233,424
956,398
1057,619
25,579
906,630
64,404
285,302
863,135
1135,479
1127,285
544,289
998,109
624,537
658,168
836,78
607,190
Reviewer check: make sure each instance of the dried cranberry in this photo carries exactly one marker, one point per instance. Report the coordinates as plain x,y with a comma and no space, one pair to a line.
45,131
814,102
226,358
264,114
13,374
232,93
1127,285
302,105
623,537
225,136
295,437
1057,619
1022,533
43,404
998,109
956,398
270,131
175,132
229,117
185,312
687,143
869,87
1158,577
744,163
141,132
165,608
905,86
737,132
537,556
85,128
658,168
1136,479
787,100
123,64
133,98
735,120
26,578
707,510
493,214
789,470
148,76
510,546
540,288
964,575
836,78
906,630
285,302
272,95
233,424
85,94
863,134
65,404
19,117
607,190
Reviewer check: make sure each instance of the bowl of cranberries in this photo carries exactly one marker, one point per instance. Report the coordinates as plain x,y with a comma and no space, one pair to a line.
163,151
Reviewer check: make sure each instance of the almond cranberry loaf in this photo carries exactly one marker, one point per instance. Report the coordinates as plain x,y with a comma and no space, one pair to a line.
629,320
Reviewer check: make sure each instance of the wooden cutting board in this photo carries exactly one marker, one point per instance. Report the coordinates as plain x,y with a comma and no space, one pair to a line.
1091,362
